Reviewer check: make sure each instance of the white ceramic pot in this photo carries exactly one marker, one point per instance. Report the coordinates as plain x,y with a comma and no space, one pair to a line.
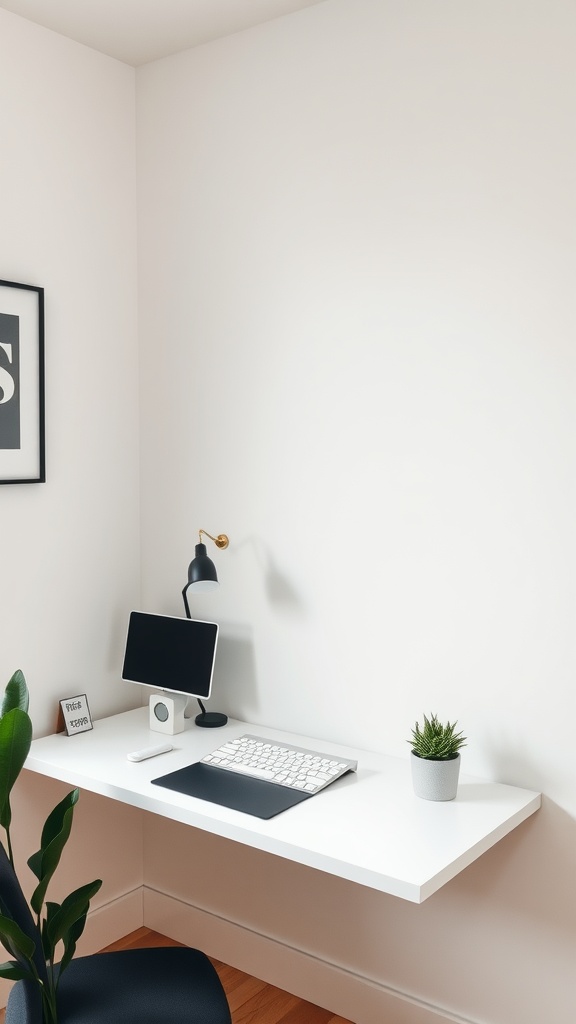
435,780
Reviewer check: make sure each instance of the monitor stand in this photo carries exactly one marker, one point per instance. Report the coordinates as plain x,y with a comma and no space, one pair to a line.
167,713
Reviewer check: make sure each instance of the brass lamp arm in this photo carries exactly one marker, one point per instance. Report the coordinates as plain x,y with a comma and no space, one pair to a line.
221,541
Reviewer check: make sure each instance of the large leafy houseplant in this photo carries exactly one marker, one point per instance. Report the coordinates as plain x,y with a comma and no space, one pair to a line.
60,924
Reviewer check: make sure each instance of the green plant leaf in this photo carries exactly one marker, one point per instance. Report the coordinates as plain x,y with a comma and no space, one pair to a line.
78,909
50,909
72,910
63,922
55,834
15,940
15,694
14,972
70,940
15,740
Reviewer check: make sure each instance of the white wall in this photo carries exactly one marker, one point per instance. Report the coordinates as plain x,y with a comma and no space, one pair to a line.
356,321
69,548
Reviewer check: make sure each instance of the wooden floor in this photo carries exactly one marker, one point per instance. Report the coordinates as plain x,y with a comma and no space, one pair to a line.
251,1001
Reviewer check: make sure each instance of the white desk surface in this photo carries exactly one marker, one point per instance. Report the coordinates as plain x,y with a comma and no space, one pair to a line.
367,827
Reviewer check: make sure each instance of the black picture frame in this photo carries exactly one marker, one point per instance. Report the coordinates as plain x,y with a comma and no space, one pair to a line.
22,437
76,714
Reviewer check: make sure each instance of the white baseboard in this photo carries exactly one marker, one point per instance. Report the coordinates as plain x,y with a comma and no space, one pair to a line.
112,920
352,996
356,998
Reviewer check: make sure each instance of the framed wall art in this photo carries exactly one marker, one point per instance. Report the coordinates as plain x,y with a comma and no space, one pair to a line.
22,455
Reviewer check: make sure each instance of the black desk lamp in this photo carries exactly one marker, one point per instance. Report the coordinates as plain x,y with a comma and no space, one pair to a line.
202,575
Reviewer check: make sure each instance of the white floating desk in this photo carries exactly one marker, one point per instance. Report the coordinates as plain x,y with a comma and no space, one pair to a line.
367,827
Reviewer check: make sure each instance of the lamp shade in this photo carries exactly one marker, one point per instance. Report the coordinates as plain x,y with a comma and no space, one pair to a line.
202,571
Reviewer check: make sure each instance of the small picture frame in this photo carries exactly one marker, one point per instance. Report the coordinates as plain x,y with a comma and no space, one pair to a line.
22,445
76,714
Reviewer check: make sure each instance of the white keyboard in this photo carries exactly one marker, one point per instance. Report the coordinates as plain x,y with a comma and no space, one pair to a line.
295,767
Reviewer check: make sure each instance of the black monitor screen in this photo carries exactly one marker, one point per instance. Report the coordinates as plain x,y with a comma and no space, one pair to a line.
169,653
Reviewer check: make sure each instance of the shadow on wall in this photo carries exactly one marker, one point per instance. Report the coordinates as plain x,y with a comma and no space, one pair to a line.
281,594
532,872
496,944
234,686
235,683
509,922
512,764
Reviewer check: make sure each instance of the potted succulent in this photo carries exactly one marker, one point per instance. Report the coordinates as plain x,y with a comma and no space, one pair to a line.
61,925
435,758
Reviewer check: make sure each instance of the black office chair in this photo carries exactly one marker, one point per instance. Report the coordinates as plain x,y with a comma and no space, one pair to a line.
167,985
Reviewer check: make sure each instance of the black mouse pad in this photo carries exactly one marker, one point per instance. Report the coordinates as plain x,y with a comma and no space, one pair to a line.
239,792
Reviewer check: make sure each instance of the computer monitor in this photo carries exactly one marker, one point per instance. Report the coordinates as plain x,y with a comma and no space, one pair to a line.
172,654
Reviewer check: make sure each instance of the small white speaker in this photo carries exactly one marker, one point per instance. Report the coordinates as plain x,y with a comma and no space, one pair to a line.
167,713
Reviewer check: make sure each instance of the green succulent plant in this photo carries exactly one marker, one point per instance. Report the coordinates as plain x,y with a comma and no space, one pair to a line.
435,741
